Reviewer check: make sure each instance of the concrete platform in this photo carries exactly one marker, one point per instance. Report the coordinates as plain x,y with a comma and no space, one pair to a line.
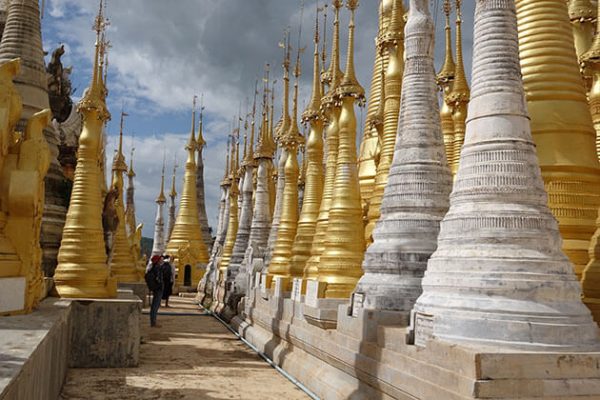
347,363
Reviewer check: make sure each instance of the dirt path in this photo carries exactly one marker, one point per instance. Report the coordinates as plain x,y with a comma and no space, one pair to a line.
190,357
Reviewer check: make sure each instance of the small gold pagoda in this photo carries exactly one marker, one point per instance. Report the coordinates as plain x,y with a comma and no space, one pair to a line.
232,223
282,253
82,269
392,42
123,264
459,96
330,109
313,166
561,123
186,245
445,81
341,261
370,146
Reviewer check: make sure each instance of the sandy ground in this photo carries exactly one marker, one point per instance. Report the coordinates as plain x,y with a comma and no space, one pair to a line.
189,357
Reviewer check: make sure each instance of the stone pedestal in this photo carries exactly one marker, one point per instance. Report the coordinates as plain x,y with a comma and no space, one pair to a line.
265,284
105,333
298,289
318,310
282,287
12,294
363,324
139,289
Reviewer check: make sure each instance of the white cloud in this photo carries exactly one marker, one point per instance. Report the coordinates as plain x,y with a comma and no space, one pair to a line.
163,52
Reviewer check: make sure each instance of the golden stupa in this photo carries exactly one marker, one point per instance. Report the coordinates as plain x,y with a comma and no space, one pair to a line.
123,264
391,42
331,113
186,245
280,265
459,96
445,81
313,166
561,123
370,144
341,261
82,269
232,223
591,61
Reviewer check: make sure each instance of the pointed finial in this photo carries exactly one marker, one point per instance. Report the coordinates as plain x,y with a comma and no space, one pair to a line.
460,91
131,172
173,193
226,175
446,74
312,111
191,145
249,159
349,85
335,73
119,163
94,97
161,199
325,78
200,140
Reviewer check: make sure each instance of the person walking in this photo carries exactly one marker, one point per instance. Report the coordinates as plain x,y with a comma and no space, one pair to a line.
155,282
168,279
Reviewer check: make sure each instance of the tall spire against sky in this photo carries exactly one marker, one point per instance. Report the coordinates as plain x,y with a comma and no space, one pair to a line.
200,186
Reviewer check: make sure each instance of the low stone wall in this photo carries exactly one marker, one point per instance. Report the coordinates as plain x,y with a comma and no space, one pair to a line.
346,363
37,349
34,349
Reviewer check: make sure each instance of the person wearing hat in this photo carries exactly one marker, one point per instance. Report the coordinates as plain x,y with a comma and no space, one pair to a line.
168,278
155,282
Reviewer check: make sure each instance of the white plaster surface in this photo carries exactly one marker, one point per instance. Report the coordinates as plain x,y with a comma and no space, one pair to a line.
498,275
12,294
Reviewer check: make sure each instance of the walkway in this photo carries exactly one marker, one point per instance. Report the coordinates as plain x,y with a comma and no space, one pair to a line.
190,357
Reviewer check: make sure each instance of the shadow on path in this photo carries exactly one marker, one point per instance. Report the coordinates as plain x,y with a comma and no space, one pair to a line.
189,357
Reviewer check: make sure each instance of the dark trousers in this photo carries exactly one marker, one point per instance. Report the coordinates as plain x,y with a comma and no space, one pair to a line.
156,297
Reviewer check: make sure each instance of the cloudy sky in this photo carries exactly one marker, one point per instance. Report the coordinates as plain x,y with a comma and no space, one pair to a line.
164,52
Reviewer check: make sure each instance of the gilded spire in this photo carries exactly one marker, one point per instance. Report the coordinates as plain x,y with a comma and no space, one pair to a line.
460,90
227,155
266,144
325,78
131,172
312,111
349,85
249,156
191,145
173,193
459,96
119,164
200,142
161,199
334,72
286,119
447,72
94,97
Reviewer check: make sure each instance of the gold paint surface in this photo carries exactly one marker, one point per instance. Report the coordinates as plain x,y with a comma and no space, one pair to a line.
393,42
186,245
561,123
